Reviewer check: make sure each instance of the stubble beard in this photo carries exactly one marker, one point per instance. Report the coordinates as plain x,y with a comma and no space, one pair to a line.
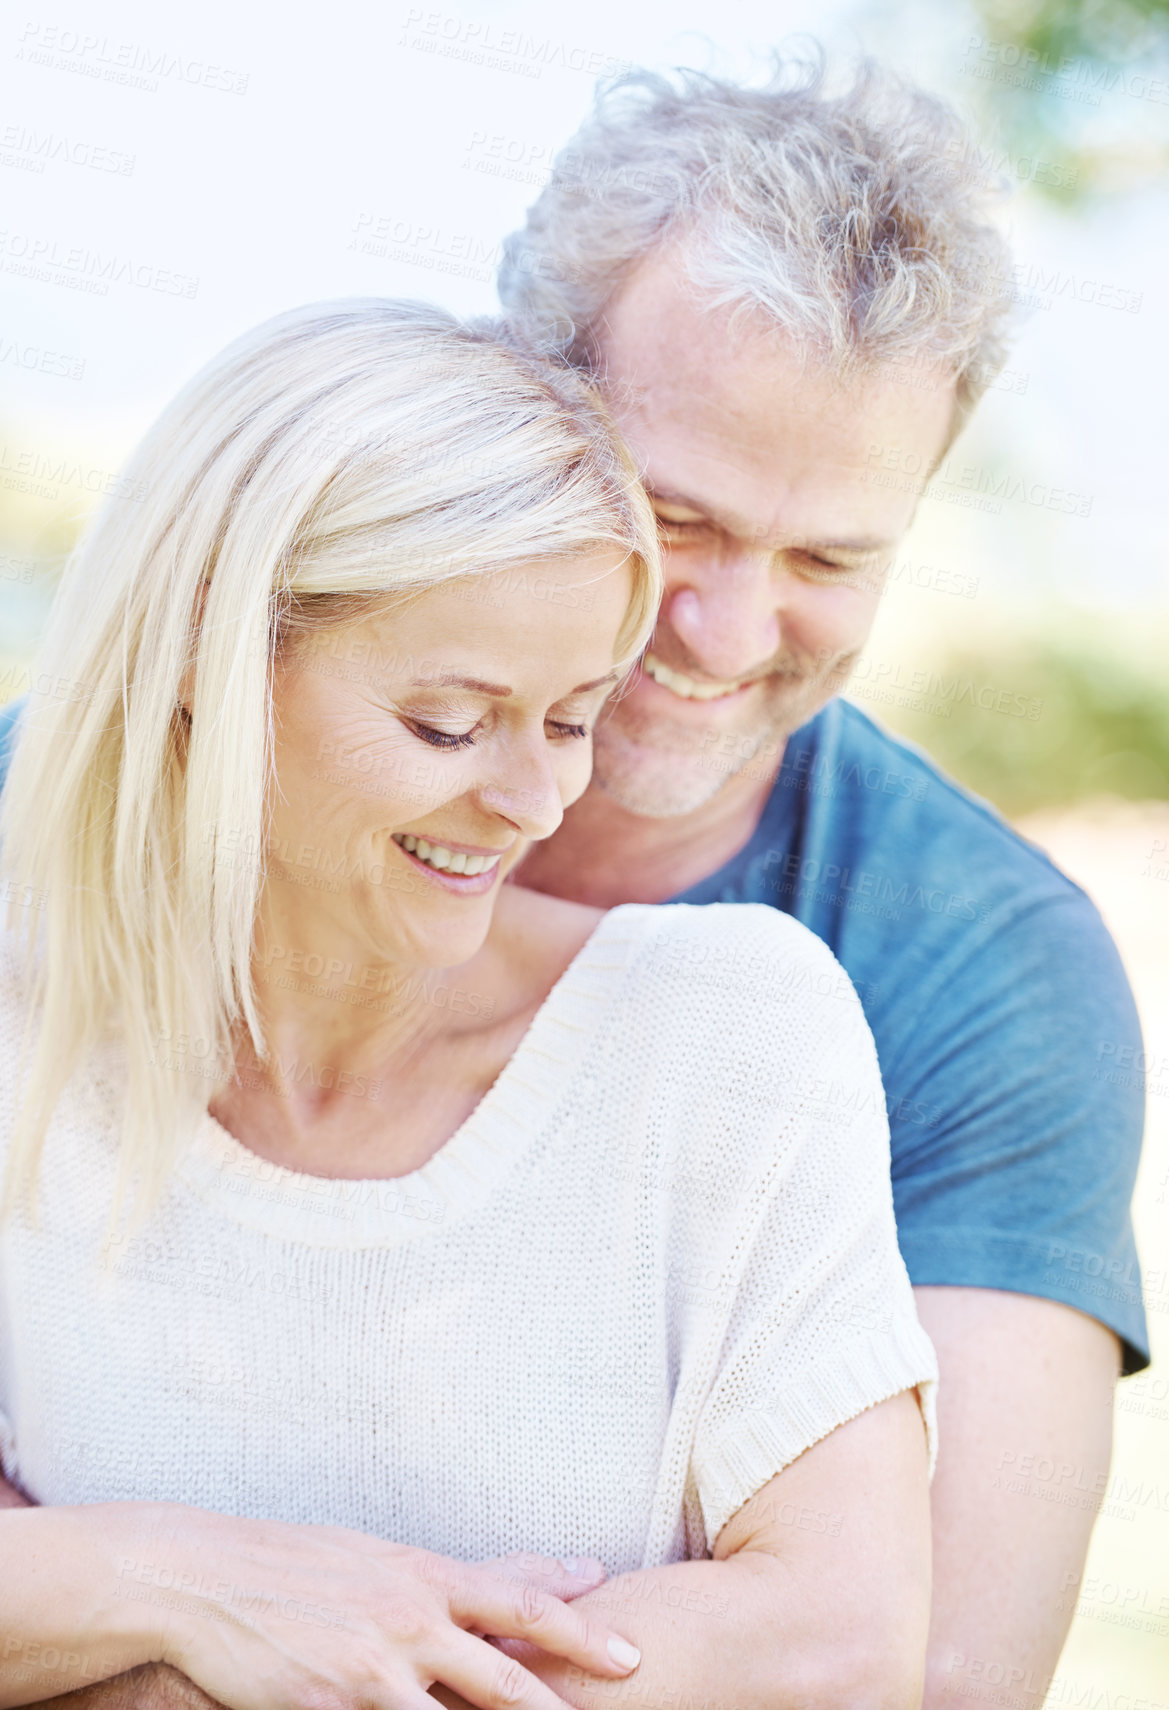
659,770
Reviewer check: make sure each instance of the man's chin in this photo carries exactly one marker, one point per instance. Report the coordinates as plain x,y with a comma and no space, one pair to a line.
654,784
659,768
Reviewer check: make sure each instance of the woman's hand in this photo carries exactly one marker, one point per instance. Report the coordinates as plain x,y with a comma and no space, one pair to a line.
263,1615
158,1686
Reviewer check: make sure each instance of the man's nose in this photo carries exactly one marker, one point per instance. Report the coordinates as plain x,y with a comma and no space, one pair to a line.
727,614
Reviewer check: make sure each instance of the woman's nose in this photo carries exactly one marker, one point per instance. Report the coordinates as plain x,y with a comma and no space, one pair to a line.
524,789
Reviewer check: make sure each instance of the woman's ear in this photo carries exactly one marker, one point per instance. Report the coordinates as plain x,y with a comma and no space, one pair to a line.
187,686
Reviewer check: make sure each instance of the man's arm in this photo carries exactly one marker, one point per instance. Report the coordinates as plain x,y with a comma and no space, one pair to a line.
817,1594
11,1497
1025,1438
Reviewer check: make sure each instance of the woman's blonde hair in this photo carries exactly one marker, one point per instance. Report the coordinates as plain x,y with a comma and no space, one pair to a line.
336,455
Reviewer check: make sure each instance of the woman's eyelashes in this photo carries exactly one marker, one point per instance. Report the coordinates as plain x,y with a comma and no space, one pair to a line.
443,738
562,732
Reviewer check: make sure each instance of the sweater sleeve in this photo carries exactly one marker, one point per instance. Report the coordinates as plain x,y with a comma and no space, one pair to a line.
822,1324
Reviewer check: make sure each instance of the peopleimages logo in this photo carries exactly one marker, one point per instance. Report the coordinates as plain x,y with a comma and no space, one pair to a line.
843,884
128,63
32,256
934,691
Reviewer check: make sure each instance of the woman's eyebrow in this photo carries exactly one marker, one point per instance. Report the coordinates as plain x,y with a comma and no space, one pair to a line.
479,687
475,684
609,677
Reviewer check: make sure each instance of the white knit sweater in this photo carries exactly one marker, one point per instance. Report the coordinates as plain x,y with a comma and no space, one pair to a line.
655,1265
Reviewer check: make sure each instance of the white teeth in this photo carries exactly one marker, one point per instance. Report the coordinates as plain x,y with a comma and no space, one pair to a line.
445,860
686,687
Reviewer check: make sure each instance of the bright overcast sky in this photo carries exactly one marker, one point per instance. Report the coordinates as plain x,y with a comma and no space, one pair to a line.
236,161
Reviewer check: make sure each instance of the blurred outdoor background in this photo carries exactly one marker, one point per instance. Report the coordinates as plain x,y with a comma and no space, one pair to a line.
169,178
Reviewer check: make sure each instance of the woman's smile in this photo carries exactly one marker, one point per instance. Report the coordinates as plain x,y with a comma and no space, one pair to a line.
458,868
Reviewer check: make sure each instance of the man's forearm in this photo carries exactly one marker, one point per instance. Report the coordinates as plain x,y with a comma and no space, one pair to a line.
12,1497
151,1686
1025,1415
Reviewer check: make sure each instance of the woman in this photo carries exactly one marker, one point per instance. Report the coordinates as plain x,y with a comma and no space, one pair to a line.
367,1218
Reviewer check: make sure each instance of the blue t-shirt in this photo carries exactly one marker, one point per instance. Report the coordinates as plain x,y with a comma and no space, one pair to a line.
1007,1034
1006,1031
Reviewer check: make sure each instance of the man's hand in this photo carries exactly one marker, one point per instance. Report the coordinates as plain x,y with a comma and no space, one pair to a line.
1024,1443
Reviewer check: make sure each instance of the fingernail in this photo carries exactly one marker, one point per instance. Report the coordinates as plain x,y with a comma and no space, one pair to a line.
623,1653
580,1567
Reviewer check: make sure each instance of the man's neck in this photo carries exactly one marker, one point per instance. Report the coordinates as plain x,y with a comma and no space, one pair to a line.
604,855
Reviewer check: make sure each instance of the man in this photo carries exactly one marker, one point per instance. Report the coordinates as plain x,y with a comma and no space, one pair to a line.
786,297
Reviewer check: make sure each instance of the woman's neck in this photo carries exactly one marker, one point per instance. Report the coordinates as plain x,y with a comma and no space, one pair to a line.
370,1068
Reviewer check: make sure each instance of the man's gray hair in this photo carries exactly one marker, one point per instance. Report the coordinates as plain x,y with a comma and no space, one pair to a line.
856,222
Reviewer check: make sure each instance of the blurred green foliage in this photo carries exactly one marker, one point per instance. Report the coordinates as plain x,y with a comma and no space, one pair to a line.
1078,90
1079,722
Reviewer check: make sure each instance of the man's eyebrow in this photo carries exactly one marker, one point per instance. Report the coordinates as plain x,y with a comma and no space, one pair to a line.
733,525
664,496
479,687
721,519
867,545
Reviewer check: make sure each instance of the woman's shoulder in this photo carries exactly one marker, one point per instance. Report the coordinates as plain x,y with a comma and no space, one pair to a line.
736,980
742,1023
749,947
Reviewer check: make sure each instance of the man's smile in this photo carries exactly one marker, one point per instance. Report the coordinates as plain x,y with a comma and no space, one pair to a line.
688,688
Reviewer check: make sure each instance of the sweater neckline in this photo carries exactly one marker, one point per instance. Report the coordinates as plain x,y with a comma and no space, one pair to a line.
326,1211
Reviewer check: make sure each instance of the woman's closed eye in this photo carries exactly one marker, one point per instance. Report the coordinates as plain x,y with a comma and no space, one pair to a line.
561,732
443,738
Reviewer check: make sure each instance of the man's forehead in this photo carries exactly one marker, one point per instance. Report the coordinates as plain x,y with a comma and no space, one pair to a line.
766,474
772,505
732,419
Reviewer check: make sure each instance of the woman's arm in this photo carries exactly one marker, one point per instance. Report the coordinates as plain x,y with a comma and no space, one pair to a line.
818,1593
150,1686
264,1614
65,1618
